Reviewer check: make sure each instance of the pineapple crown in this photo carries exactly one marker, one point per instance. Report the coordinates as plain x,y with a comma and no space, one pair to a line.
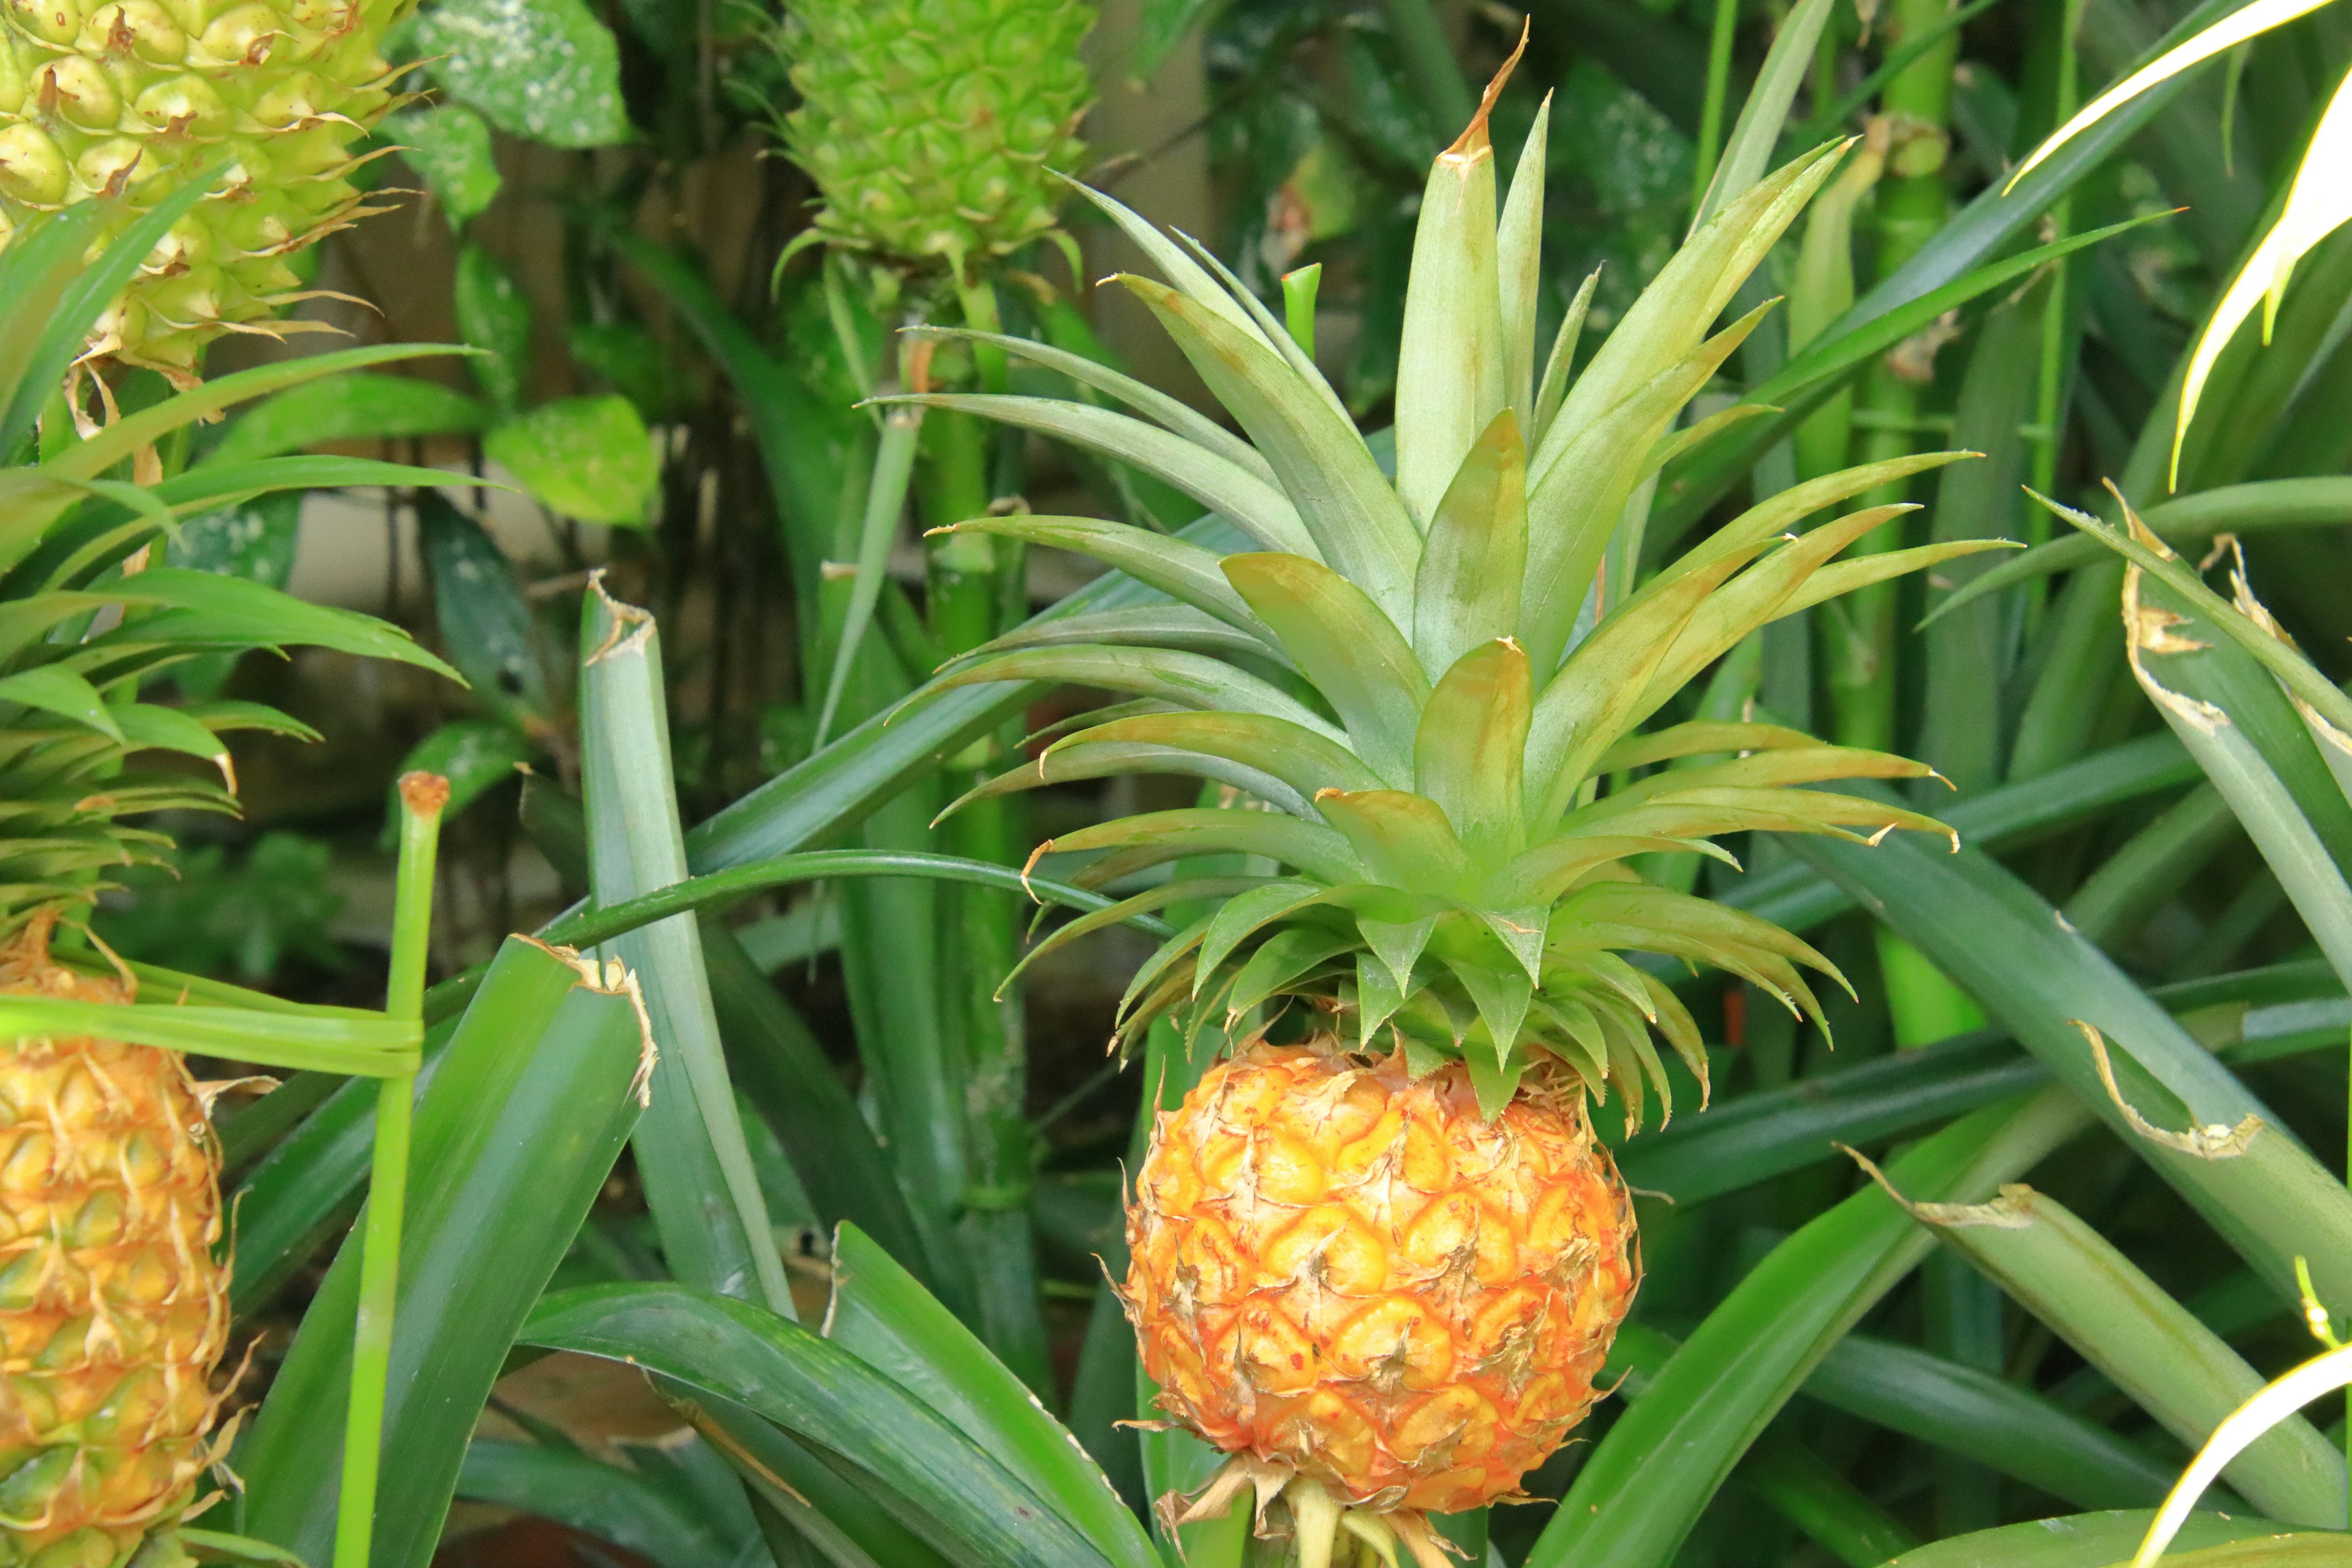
932,128
1422,685
85,619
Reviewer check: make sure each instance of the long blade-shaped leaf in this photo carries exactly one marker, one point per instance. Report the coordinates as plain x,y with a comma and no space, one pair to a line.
880,1315
978,1511
1647,1481
690,1151
514,1139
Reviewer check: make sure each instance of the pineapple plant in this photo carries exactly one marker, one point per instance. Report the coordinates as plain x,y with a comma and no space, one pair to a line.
260,100
933,128
113,1277
1378,1254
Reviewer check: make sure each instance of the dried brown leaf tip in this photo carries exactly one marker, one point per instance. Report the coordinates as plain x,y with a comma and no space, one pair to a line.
1474,143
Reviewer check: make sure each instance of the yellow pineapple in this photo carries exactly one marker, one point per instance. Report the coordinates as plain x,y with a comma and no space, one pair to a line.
113,1304
113,1311
1377,1255
1416,1298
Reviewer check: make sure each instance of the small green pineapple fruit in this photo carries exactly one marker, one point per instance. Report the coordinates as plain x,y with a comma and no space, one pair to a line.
933,128
138,97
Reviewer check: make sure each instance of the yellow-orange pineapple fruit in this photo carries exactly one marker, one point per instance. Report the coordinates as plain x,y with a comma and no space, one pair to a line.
1380,1268
1361,1277
113,1311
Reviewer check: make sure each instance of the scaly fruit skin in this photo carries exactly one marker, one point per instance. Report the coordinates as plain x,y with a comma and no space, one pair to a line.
932,127
113,1312
1359,1277
138,97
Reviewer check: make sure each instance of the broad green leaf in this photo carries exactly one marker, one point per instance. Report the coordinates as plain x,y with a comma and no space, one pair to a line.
2294,672
545,69
2002,944
302,1194
589,457
1649,1478
2073,1279
493,317
514,1137
55,689
477,602
358,404
64,291
2102,1540
1474,558
880,1315
781,1067
1470,752
599,1500
689,1147
1403,837
972,1508
1358,526
448,145
1989,1419
2244,732
1690,487
1343,641
1452,368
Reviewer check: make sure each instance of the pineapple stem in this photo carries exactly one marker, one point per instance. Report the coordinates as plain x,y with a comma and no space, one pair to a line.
422,797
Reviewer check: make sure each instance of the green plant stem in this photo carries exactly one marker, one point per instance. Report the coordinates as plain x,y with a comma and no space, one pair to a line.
2053,368
1718,88
886,498
1912,204
980,926
422,797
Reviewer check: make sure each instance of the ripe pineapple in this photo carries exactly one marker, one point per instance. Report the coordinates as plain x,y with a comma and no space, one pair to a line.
1379,1261
933,128
138,97
113,1311
113,1305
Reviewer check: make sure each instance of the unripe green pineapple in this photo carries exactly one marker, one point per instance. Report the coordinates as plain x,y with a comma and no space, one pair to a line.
138,97
933,128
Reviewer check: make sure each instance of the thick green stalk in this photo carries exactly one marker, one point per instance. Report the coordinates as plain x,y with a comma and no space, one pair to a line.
422,797
980,926
1718,88
1912,204
2052,369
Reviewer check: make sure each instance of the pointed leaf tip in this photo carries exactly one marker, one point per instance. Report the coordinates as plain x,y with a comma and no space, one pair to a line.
1473,142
